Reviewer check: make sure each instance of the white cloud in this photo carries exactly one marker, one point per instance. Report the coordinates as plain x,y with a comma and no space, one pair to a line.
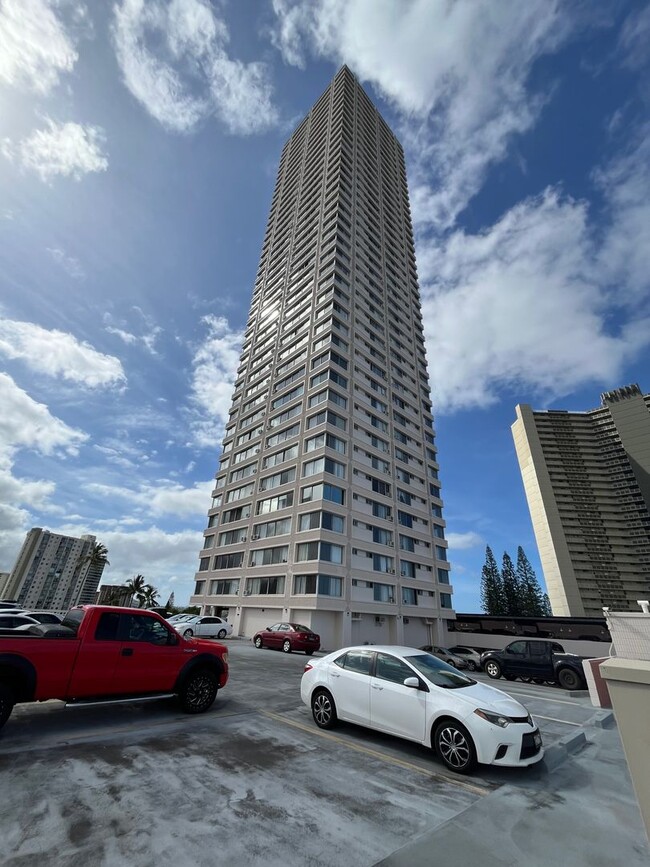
526,304
457,71
67,149
462,541
188,76
635,37
57,353
215,364
159,498
73,266
24,423
35,47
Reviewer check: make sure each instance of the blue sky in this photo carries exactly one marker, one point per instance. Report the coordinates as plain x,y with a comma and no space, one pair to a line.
138,149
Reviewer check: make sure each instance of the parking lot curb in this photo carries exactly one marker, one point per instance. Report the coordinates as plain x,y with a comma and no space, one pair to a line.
602,719
558,753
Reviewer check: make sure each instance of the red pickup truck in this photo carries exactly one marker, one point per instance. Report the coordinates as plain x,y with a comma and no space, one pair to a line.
102,654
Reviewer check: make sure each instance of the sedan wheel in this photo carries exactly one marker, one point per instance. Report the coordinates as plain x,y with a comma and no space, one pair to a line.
286,646
493,669
222,633
455,747
258,642
323,710
188,633
471,665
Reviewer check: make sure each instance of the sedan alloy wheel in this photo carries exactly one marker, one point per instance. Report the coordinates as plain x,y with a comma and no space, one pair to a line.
286,646
323,710
258,642
455,748
188,633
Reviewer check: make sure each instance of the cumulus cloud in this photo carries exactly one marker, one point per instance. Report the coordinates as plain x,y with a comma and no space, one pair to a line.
66,149
462,541
36,48
457,72
59,354
161,497
215,364
173,58
524,304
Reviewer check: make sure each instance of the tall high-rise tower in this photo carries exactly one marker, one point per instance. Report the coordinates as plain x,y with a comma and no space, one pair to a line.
587,481
327,506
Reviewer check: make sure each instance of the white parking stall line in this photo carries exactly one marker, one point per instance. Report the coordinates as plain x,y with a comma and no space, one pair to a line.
564,722
534,695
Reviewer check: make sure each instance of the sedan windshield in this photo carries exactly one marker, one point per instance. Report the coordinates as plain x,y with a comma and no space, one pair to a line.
438,672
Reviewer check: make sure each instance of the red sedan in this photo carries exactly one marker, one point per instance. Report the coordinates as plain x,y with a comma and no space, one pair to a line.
288,636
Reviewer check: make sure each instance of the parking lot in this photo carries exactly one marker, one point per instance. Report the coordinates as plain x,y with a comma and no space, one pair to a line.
252,780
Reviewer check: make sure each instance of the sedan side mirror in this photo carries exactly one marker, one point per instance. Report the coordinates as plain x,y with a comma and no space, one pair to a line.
413,682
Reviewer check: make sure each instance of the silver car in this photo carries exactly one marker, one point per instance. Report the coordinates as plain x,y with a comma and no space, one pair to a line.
473,657
446,655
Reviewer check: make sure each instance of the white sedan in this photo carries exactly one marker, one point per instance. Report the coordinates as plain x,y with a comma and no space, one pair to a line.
204,626
409,693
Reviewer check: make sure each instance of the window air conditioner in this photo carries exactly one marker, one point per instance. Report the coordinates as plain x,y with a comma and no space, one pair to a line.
390,571
391,599
379,619
247,592
255,536
390,544
355,616
389,518
243,539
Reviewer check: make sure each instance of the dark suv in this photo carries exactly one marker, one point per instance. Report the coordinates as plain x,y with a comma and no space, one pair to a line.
541,661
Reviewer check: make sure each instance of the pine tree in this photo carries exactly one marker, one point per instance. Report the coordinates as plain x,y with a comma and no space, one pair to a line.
547,611
491,586
511,590
531,597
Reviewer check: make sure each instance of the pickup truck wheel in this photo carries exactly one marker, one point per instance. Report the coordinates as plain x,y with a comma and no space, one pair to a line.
569,679
188,633
199,691
222,633
493,669
7,702
526,679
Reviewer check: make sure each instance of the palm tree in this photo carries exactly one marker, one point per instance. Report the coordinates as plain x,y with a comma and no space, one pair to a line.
150,596
97,556
137,587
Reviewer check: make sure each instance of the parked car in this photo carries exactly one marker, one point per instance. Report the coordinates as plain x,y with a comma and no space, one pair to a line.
413,694
535,660
204,626
446,655
45,616
13,621
100,653
177,618
288,636
471,656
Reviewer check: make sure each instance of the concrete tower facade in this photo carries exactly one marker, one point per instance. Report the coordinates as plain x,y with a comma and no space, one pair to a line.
327,508
587,482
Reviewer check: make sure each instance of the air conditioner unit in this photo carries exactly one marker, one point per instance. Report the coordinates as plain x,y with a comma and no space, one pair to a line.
391,599
390,544
255,536
390,571
389,518
243,539
247,592
379,619
355,616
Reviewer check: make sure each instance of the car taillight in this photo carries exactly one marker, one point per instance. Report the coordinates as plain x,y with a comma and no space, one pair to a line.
308,667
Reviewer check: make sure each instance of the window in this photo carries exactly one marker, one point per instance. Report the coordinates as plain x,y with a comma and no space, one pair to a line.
265,586
409,596
405,519
280,457
319,551
272,528
239,493
325,439
237,514
224,588
383,537
326,416
380,487
392,669
273,504
326,520
107,627
283,435
407,568
323,585
445,600
140,627
443,576
441,553
323,492
274,481
268,556
379,510
355,660
403,497
230,537
229,561
383,592
204,565
323,465
406,543
438,531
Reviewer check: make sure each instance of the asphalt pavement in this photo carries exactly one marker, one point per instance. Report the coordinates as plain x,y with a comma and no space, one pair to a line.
255,781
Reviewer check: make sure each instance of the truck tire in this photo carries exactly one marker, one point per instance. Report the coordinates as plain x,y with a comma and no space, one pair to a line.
569,679
7,701
198,691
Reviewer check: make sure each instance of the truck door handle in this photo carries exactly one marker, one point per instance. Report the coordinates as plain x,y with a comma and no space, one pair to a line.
127,651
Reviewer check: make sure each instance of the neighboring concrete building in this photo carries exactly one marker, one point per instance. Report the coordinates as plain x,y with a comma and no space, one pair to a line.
4,583
587,481
114,594
327,506
53,571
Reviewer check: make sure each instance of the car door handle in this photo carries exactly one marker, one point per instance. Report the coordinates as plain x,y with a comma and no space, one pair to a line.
374,686
127,651
334,674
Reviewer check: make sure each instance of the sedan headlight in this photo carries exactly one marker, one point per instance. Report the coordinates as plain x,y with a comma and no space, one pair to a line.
495,718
